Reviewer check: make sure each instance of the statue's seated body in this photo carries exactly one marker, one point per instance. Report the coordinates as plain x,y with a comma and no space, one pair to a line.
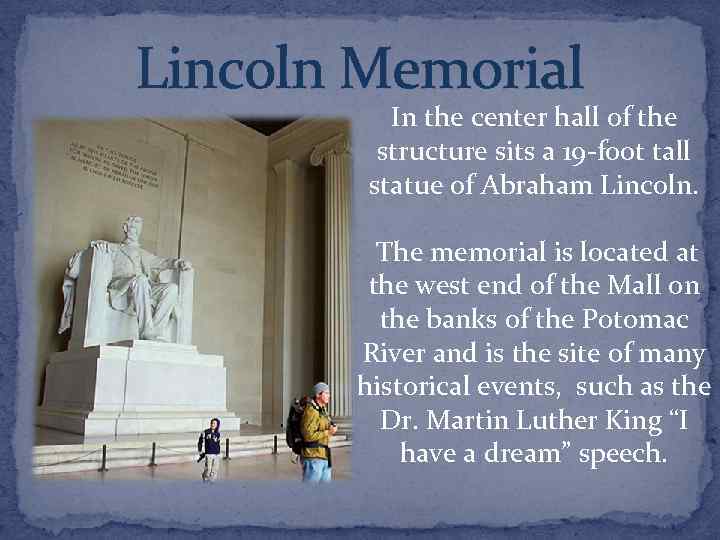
116,292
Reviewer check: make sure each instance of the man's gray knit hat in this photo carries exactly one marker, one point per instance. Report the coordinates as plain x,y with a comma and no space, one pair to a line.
319,388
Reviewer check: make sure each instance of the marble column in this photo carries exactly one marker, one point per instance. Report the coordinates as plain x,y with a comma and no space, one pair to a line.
334,154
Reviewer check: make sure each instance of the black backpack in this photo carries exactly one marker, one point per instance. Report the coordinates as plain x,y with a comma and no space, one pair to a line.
293,434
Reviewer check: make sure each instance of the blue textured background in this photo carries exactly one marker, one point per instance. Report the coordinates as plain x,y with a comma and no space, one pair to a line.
703,523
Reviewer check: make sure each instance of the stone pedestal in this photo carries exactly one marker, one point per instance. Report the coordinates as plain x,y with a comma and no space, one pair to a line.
142,387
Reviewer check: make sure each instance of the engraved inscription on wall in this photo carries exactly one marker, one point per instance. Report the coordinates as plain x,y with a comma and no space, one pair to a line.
106,162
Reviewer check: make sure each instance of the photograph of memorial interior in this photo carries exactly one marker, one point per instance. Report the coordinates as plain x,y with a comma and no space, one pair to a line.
186,270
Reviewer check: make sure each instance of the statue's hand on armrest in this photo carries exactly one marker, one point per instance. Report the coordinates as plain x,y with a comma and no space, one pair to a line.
101,245
182,265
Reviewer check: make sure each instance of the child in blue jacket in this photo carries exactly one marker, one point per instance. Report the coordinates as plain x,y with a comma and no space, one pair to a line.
210,440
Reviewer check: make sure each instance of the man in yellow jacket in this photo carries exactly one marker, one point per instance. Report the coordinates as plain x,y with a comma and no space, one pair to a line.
317,428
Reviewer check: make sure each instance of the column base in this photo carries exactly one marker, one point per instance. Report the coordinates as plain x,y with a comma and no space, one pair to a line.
344,424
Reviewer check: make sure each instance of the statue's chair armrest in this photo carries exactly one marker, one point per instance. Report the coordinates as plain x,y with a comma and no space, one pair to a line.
184,309
91,299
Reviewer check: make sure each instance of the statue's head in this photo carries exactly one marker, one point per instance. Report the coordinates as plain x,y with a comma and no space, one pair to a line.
132,227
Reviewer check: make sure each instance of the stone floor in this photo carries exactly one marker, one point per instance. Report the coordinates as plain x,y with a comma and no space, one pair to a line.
266,467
